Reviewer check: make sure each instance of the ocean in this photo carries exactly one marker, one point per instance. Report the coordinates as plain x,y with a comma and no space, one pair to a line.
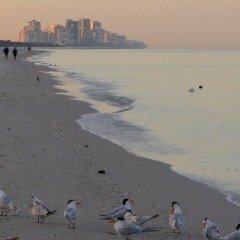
143,104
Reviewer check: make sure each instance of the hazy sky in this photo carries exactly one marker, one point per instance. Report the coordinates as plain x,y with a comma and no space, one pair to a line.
159,23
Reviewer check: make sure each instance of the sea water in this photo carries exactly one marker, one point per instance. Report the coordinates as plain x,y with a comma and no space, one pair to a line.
143,104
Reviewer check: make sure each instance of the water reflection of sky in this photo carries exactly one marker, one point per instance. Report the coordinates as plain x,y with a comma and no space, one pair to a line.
198,133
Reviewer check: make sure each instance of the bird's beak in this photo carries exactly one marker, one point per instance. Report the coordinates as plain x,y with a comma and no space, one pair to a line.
112,221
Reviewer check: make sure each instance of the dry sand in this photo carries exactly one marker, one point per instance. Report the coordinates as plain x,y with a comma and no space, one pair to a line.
42,152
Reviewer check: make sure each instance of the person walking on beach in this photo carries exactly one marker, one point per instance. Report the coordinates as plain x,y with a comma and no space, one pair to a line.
6,51
29,49
15,53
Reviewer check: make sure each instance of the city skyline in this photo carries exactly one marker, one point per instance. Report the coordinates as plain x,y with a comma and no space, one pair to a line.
159,23
84,32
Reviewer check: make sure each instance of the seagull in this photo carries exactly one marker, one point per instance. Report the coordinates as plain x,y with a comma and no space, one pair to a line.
37,78
126,229
233,236
176,218
131,217
40,210
71,214
211,230
118,212
6,204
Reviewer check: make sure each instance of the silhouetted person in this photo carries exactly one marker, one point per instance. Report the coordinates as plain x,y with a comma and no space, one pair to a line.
15,53
29,49
6,51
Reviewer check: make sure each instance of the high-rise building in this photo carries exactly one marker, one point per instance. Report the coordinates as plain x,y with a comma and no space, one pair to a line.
62,35
96,28
51,34
122,41
113,39
72,27
34,26
84,31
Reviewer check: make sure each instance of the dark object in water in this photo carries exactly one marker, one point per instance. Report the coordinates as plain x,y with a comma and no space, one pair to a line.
86,146
200,87
101,172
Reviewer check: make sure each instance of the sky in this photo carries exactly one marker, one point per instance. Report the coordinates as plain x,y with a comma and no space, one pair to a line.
163,24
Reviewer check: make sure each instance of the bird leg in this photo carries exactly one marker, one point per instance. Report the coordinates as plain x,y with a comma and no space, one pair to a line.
6,214
2,213
42,220
179,231
174,230
38,220
73,225
69,225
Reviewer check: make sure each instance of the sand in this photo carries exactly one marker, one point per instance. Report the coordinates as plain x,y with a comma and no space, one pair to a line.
42,152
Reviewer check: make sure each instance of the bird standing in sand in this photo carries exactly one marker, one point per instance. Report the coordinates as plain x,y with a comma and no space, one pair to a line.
120,211
176,218
6,203
211,230
71,214
40,210
126,229
131,217
233,236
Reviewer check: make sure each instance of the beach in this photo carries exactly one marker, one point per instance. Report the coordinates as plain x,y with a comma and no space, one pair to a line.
45,152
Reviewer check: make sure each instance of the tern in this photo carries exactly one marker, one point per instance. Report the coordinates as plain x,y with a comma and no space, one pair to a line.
131,217
6,203
233,236
71,214
211,230
118,212
176,218
40,210
126,229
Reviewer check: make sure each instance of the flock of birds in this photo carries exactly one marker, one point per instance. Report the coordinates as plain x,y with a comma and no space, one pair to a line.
124,220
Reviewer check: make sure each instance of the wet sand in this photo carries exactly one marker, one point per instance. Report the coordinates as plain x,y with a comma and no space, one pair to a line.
43,152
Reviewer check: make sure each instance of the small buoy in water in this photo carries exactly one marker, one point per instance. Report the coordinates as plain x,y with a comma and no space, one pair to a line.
191,89
200,87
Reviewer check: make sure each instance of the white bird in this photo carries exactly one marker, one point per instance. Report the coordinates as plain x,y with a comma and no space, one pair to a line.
120,211
191,89
131,217
71,214
6,203
176,218
40,210
126,229
211,230
233,236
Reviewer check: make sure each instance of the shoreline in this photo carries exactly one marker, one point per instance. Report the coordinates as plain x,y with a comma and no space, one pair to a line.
44,145
65,79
